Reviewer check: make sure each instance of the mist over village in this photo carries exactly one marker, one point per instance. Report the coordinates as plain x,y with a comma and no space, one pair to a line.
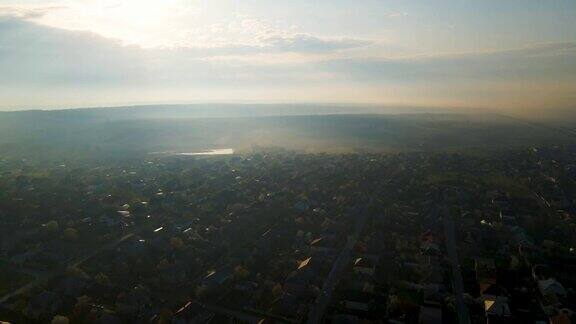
180,162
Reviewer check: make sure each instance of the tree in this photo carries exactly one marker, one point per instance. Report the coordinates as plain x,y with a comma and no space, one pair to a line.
516,263
201,291
82,302
77,272
102,279
20,304
52,226
277,290
59,319
71,234
241,273
165,316
163,264
176,243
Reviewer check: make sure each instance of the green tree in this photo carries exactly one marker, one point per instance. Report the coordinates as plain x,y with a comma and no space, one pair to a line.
52,226
102,279
59,319
241,273
176,243
70,234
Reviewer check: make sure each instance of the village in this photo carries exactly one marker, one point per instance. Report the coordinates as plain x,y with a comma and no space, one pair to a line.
287,237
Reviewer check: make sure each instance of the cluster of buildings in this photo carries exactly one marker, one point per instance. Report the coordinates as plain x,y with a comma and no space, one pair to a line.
292,238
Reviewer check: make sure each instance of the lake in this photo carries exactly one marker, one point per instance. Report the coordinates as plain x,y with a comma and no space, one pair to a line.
226,151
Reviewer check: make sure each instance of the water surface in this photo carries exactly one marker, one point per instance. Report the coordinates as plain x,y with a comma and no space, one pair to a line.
225,151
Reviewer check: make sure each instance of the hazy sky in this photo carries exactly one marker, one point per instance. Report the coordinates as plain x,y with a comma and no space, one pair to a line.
482,53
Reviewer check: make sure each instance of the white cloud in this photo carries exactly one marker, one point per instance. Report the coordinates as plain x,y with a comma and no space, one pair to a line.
27,12
396,14
174,45
309,43
552,62
178,24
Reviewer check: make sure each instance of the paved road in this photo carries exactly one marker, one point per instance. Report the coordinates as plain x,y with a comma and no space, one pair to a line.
456,273
318,309
75,262
323,300
72,263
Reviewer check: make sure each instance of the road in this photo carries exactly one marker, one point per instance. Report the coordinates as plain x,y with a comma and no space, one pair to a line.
456,273
75,262
72,263
323,300
321,303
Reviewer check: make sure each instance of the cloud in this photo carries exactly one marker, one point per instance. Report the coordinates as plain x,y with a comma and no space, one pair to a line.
396,14
274,45
36,55
180,25
47,62
27,12
553,61
308,43
33,54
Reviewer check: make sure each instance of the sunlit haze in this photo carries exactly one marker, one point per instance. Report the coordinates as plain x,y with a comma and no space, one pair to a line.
299,161
491,54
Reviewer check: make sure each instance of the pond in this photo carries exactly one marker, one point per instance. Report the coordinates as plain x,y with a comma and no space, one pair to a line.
225,151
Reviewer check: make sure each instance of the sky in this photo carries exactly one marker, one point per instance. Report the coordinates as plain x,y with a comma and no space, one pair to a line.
501,54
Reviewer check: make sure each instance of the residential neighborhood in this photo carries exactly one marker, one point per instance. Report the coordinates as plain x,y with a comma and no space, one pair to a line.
287,237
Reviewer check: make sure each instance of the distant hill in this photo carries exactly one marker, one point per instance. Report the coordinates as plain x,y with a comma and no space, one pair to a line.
141,130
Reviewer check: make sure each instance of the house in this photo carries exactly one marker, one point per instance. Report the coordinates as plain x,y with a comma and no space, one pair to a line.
540,271
496,309
300,282
485,271
552,294
432,275
320,245
106,317
430,315
360,286
288,305
345,319
562,318
365,266
485,267
432,294
192,312
521,238
216,278
428,243
356,307
124,213
133,302
551,286
304,263
302,205
507,218
246,286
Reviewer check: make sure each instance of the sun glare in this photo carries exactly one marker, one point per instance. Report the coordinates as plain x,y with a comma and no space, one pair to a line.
146,23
